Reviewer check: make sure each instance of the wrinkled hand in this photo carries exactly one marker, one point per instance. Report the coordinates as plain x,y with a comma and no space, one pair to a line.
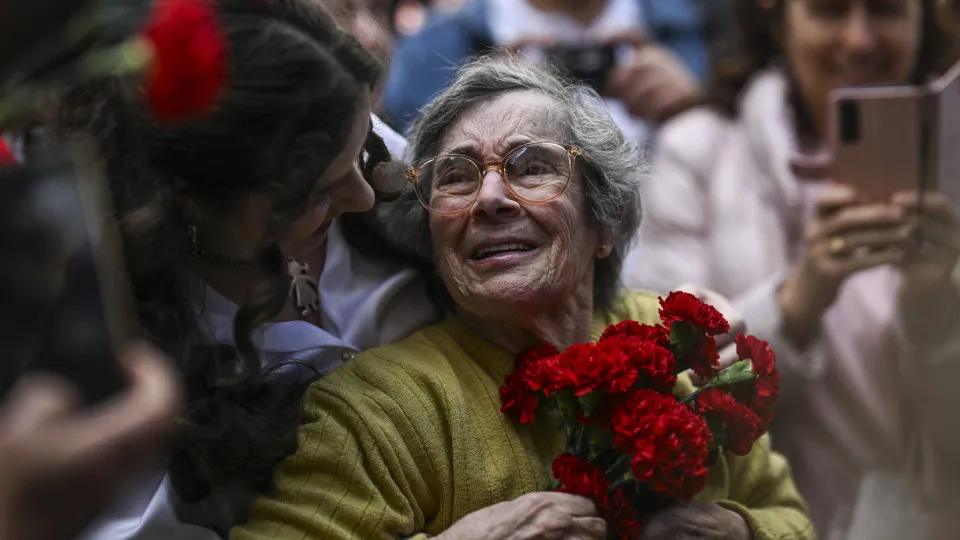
696,521
534,516
847,236
655,85
60,465
928,295
725,345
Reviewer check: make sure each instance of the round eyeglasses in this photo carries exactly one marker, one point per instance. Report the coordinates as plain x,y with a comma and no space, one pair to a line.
536,173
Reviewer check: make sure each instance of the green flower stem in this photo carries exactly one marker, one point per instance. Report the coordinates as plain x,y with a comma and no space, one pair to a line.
619,482
693,395
126,59
582,440
620,467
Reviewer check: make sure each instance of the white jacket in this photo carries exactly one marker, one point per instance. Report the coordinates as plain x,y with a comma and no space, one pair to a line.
723,210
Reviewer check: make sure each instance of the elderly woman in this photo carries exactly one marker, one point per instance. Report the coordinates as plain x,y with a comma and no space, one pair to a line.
529,198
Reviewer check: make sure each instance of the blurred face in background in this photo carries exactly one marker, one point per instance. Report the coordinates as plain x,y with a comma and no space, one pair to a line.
367,21
835,43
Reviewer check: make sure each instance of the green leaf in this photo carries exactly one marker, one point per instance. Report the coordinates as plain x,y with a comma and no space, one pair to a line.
738,373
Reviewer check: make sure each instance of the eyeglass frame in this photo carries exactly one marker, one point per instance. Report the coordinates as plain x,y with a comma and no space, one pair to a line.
412,174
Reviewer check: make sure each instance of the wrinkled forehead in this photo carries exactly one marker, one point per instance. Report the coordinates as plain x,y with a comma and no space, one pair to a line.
492,128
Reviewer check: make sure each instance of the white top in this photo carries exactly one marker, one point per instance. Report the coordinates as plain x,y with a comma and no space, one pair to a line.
513,21
363,305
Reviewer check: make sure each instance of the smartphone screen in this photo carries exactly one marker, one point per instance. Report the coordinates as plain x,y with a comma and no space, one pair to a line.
56,315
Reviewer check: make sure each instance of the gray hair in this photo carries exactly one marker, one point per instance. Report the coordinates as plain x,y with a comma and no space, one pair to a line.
614,168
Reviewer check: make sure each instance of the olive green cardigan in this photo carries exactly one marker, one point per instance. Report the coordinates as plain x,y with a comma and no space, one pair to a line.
408,438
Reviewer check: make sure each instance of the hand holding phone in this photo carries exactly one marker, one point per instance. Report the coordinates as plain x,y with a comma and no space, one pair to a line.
847,235
62,285
61,465
654,85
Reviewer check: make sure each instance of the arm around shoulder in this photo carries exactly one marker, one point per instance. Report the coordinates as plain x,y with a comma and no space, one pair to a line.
366,466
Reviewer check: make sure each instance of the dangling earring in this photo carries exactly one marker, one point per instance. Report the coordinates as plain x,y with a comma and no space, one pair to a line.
602,251
304,289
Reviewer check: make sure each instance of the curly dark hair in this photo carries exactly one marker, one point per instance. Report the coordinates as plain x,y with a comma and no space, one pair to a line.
290,102
759,26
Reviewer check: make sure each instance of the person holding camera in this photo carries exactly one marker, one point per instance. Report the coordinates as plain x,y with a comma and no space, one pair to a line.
61,464
863,320
645,56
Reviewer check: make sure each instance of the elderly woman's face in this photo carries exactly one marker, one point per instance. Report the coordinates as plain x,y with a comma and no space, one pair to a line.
502,253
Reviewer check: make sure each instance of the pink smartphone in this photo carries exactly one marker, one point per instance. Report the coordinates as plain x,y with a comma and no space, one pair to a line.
876,137
888,139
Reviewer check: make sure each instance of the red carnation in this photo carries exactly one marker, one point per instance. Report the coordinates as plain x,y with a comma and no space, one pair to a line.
517,400
766,387
644,332
681,306
189,64
622,517
742,425
584,368
703,359
579,477
758,352
668,442
655,365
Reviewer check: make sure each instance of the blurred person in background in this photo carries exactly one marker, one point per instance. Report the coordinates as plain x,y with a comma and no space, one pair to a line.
61,464
235,228
366,20
865,324
659,50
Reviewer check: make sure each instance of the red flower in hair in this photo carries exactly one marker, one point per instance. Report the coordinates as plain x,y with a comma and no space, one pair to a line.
644,332
6,155
666,440
517,400
189,64
682,306
743,426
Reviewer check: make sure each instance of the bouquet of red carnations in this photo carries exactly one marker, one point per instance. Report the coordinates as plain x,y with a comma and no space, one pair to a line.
631,443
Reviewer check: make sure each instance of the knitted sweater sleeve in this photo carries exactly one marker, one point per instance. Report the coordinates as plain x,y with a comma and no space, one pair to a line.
367,466
762,491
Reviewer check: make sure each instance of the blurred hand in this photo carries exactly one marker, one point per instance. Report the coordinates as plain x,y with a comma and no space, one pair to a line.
655,85
696,521
846,236
928,295
534,516
725,345
60,465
